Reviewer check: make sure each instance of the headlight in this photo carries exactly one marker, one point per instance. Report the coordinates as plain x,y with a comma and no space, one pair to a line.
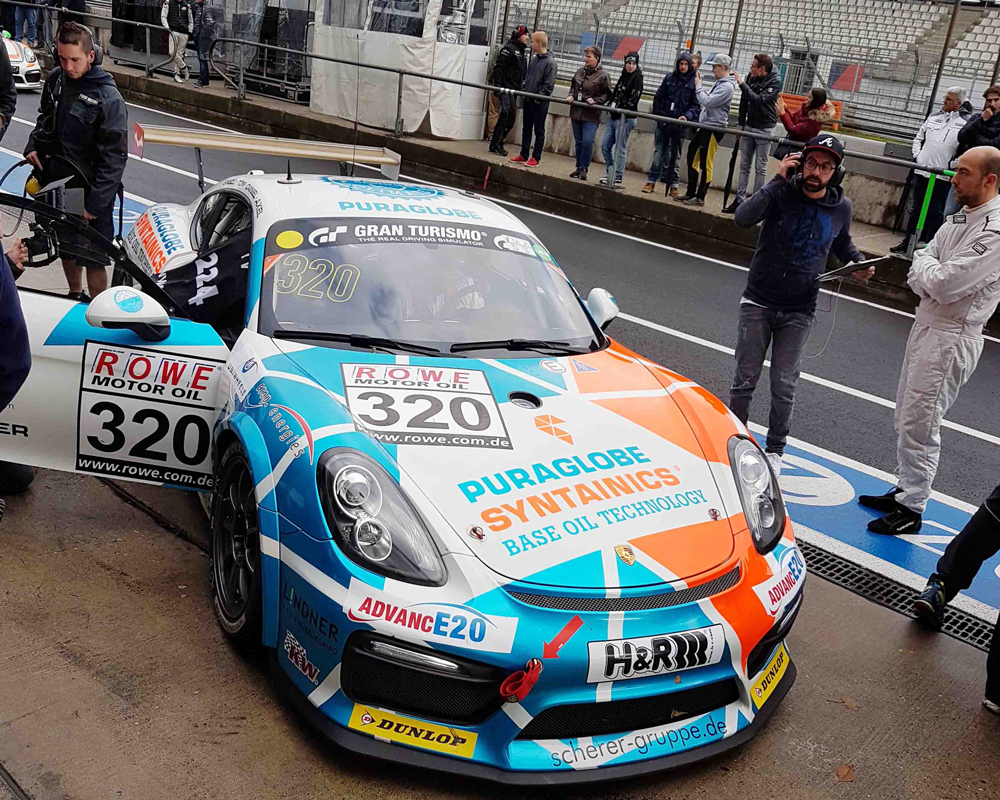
759,493
373,522
29,56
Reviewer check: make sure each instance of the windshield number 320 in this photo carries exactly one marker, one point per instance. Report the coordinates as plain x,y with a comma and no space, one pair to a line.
316,279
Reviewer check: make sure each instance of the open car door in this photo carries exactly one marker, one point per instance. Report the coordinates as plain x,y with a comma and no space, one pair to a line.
124,387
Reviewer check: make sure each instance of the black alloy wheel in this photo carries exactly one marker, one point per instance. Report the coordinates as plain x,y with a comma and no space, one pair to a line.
236,563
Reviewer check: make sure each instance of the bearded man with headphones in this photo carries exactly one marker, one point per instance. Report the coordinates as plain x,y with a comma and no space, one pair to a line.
805,215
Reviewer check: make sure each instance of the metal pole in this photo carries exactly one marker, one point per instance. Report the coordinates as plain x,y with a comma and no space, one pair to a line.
399,107
149,68
242,94
736,28
694,30
944,52
538,13
996,70
923,214
506,15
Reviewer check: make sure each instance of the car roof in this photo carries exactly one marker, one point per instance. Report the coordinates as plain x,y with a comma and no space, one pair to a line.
315,196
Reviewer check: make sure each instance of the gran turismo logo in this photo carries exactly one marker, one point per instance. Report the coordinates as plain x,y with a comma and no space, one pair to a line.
325,235
406,191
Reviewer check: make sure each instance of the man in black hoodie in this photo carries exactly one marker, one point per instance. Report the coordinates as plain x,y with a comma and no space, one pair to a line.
508,73
82,120
805,214
675,99
758,114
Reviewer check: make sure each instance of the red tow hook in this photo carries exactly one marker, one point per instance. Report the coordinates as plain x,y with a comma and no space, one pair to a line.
517,685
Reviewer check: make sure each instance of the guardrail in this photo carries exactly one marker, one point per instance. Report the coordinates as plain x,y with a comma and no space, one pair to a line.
239,85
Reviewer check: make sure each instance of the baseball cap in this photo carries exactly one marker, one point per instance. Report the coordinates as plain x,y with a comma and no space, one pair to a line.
720,60
828,144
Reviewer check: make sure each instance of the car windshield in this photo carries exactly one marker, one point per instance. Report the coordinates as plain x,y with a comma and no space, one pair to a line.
430,285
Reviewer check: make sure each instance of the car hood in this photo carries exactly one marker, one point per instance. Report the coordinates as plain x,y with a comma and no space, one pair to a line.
576,472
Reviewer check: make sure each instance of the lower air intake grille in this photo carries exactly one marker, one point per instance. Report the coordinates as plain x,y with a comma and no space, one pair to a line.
464,697
601,719
639,603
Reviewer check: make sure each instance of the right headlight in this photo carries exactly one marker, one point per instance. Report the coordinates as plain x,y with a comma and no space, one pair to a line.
373,521
759,493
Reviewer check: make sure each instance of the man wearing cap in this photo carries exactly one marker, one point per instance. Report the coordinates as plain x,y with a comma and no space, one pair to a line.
804,215
714,111
957,277
508,73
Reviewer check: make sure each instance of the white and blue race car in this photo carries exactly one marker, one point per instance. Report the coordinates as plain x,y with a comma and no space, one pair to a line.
475,533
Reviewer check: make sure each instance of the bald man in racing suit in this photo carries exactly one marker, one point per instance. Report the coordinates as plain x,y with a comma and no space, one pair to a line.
957,278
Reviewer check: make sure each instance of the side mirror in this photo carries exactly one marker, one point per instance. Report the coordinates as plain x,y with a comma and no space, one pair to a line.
602,306
122,307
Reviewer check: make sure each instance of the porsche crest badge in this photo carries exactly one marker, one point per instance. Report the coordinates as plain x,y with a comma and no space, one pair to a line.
624,552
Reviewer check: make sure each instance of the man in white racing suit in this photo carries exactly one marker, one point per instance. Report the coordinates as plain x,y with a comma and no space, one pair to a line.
957,278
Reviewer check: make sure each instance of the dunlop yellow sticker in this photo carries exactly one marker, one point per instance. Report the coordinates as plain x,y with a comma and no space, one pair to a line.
769,677
414,732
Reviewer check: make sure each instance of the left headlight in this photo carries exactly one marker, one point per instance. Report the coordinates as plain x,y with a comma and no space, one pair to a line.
759,493
372,520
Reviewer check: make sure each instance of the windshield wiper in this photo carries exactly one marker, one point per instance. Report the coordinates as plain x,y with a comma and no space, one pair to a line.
358,340
518,344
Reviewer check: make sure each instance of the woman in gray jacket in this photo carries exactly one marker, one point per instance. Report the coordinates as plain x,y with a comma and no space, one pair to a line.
592,86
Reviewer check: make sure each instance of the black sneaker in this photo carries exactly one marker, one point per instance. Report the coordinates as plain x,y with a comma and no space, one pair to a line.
929,607
731,208
881,502
575,173
900,248
901,520
80,297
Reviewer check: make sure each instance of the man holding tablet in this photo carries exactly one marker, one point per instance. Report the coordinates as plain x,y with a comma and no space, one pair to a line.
805,215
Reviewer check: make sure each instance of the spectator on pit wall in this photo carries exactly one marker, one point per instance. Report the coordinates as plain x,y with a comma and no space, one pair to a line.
956,278
203,33
24,24
77,7
714,111
758,114
962,559
675,98
980,130
541,80
178,16
590,85
805,215
805,122
696,61
627,94
934,146
509,73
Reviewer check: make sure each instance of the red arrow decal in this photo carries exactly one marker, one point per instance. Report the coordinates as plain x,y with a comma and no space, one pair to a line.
551,649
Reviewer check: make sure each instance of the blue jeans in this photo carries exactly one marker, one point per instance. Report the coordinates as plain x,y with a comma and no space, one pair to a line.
615,144
583,137
203,67
753,153
25,18
667,143
787,333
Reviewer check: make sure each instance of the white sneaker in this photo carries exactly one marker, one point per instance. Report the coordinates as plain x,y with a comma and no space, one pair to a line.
990,706
178,79
775,461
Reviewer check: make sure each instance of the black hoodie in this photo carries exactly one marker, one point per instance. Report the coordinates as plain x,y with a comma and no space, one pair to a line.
85,121
676,96
628,90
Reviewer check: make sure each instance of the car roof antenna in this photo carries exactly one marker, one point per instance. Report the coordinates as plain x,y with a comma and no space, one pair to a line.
289,178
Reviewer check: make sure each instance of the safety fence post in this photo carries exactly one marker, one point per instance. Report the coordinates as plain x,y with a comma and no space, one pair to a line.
923,214
149,65
242,94
399,107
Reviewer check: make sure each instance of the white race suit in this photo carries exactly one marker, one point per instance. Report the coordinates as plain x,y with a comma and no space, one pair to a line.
957,278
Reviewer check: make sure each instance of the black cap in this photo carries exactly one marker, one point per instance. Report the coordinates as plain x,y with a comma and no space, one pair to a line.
827,144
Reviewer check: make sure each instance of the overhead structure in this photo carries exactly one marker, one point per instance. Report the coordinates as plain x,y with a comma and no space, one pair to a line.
446,38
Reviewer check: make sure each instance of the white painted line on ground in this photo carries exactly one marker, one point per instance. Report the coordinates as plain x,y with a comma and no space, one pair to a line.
839,387
588,225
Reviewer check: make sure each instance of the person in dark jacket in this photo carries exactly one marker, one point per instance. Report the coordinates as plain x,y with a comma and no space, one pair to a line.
204,31
541,80
77,9
592,86
8,92
981,129
804,217
15,359
675,99
509,73
758,114
627,94
82,119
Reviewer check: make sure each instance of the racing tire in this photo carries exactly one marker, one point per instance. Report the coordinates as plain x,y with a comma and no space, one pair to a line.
236,562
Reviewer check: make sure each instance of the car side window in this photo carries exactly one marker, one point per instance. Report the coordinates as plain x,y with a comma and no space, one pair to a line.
207,215
234,218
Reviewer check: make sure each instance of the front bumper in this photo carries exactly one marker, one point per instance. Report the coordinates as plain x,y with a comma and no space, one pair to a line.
366,745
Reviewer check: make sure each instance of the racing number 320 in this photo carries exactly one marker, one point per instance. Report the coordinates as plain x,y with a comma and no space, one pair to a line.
112,417
468,412
298,275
